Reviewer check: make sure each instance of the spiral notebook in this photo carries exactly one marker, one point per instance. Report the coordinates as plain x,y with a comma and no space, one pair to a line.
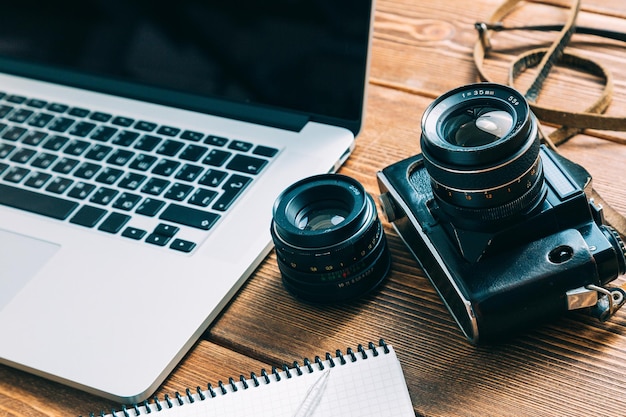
367,382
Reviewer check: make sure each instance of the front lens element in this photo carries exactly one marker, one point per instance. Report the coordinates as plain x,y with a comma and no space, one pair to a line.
476,126
321,215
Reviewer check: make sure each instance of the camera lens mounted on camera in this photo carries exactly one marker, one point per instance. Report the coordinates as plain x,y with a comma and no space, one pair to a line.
481,150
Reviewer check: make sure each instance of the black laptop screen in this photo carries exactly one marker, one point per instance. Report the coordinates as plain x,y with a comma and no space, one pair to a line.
308,56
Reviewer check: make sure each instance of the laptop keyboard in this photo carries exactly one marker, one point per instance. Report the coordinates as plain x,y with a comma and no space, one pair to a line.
159,184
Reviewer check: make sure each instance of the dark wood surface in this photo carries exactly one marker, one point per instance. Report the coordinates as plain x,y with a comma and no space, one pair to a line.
574,365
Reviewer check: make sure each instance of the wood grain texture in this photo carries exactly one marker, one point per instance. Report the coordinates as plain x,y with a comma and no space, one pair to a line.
573,365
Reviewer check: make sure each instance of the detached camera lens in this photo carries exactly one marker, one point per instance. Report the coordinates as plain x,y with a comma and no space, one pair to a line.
481,151
330,245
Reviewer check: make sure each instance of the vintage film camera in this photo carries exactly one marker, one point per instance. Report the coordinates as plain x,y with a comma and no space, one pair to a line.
501,224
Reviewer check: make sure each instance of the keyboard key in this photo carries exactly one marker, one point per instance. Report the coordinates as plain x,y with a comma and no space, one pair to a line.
4,110
36,103
109,176
120,157
158,239
37,179
103,196
132,181
23,155
100,117
88,216
143,162
81,190
246,164
61,124
55,143
147,143
82,129
216,140
155,186
202,197
232,189
20,115
16,174
216,158
14,133
103,133
123,121
189,172
213,178
87,170
166,230
134,233
265,151
43,160
240,146
178,191
189,217
193,153
125,138
76,147
182,245
16,99
6,149
170,147
65,165
33,138
192,136
59,185
145,126
168,131
34,202
150,207
166,167
57,108
78,112
126,201
40,120
98,152
114,222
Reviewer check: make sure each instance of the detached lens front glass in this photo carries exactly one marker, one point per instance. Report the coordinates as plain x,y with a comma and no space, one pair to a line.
476,126
321,216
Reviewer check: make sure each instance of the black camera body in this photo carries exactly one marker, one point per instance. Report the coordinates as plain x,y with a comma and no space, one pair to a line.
501,225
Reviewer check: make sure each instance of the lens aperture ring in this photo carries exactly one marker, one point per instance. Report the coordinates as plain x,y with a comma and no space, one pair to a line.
510,193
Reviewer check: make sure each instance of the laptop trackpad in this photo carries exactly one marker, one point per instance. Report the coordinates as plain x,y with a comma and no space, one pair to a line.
20,259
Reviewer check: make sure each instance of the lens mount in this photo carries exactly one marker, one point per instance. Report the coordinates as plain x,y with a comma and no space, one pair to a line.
330,245
481,150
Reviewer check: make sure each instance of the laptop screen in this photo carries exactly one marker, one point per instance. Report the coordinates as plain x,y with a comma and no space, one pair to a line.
307,56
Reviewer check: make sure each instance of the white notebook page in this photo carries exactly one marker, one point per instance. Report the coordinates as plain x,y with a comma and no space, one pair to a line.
366,387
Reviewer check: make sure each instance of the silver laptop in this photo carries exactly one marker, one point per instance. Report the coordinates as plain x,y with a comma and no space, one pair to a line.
142,145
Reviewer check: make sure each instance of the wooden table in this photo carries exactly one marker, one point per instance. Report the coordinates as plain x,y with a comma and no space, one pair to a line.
574,365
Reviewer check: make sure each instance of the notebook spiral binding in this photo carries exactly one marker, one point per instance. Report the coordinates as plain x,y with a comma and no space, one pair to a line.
199,394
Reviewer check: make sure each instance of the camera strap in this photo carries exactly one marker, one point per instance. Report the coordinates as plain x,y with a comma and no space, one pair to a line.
570,123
